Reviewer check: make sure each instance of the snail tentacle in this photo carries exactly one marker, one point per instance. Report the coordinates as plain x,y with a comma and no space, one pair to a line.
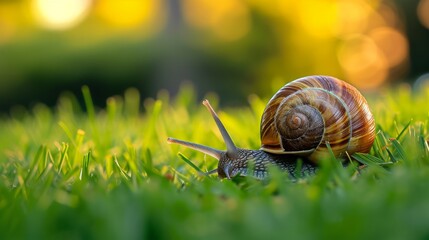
231,149
198,147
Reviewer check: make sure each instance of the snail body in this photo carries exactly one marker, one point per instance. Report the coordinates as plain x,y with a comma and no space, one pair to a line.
303,119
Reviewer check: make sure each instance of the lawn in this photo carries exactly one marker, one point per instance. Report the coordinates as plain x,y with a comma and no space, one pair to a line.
76,171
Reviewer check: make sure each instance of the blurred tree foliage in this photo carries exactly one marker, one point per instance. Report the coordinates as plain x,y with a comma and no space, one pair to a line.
231,47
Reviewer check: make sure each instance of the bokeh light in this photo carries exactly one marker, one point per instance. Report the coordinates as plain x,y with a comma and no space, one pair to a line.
249,46
372,42
392,44
422,83
352,17
423,12
61,14
7,22
363,62
366,36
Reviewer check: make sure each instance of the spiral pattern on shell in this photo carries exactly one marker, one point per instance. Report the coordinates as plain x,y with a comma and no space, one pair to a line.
308,113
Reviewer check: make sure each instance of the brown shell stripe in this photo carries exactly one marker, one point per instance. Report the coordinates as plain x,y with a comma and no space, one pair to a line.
269,138
337,122
362,121
308,134
363,127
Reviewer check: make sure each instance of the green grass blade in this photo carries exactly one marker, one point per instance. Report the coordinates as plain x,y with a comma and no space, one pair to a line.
88,103
121,170
34,164
190,163
392,156
90,111
63,156
67,131
368,159
84,170
399,150
403,130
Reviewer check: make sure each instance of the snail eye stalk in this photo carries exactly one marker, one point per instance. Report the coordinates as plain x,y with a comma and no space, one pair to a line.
198,147
230,146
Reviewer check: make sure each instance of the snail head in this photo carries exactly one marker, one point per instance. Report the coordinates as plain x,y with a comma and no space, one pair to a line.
231,162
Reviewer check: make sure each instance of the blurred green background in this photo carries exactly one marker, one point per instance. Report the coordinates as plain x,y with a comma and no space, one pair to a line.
231,47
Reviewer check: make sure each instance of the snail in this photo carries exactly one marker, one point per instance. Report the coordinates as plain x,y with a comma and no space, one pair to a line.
308,118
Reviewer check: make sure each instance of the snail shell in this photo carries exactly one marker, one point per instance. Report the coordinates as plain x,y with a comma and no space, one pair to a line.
308,113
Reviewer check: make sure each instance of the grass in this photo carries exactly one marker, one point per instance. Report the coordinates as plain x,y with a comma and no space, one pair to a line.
87,173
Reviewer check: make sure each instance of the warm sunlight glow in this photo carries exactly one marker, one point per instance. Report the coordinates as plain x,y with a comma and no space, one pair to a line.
7,23
318,18
423,12
363,62
61,14
147,14
392,43
353,16
227,19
